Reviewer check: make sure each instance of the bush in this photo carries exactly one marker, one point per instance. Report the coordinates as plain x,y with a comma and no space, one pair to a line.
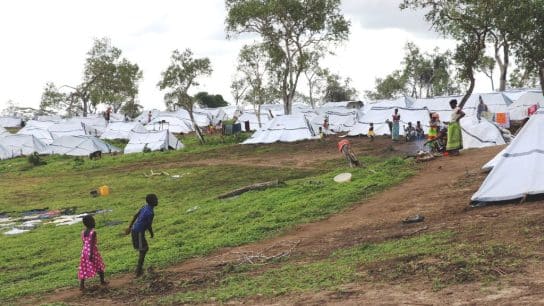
35,160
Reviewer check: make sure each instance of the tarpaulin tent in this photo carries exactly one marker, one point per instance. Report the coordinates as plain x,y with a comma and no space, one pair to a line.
340,119
4,152
519,110
122,130
253,121
23,145
60,129
480,134
152,140
288,128
80,146
520,168
4,132
171,122
38,129
10,122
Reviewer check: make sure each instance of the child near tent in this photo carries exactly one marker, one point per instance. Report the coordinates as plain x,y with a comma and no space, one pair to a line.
321,134
371,133
142,221
91,262
344,146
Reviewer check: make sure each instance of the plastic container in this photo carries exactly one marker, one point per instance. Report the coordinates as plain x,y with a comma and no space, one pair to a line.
104,191
343,178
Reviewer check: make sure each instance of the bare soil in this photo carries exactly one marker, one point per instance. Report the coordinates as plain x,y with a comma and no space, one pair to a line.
440,191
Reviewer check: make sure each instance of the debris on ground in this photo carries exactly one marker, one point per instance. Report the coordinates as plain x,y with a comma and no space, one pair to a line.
258,186
414,219
192,209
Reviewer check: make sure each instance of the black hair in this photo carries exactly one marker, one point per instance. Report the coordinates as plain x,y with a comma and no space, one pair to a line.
152,199
88,221
453,103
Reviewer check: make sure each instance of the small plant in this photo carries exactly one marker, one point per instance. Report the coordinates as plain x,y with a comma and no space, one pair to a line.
35,160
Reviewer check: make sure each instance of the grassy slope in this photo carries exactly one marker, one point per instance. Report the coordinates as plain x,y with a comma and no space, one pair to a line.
47,258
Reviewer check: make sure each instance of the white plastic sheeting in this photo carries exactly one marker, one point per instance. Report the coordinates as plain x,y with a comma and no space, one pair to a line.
4,152
171,122
480,134
23,145
519,110
341,119
10,122
122,130
154,141
379,115
253,121
38,129
80,146
4,132
288,128
520,168
61,129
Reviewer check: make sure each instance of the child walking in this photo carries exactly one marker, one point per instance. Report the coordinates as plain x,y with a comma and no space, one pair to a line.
91,262
371,133
142,222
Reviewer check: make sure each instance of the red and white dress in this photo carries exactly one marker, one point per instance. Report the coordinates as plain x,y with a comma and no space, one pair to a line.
88,268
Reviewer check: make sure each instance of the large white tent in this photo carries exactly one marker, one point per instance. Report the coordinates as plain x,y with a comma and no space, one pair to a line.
80,146
4,132
171,122
253,121
60,129
4,153
480,134
519,110
288,128
340,119
10,122
23,145
520,168
122,130
152,140
38,129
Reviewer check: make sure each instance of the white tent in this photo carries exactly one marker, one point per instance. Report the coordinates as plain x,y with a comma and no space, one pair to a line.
171,122
154,141
60,129
379,115
480,134
4,153
440,105
23,145
38,129
122,130
288,128
10,122
80,146
92,125
54,118
496,102
4,132
341,119
345,104
519,109
402,102
144,116
520,168
253,121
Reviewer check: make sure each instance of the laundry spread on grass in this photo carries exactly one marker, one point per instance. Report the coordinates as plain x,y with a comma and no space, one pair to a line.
22,222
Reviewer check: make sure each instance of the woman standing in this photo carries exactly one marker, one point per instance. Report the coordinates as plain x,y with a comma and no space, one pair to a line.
396,125
455,138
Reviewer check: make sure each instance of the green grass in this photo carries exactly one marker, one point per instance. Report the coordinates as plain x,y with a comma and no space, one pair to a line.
390,261
47,257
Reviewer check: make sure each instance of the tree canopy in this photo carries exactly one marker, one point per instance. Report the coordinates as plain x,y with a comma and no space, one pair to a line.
292,31
212,101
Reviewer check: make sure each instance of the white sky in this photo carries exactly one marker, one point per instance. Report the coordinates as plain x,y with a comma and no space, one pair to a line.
46,41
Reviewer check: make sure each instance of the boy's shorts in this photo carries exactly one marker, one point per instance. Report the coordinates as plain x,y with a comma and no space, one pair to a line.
139,242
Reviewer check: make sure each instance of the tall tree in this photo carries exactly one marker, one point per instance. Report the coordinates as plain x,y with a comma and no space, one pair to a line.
521,78
292,31
316,78
392,86
338,90
179,77
53,101
238,88
465,21
212,101
132,109
527,19
487,65
252,63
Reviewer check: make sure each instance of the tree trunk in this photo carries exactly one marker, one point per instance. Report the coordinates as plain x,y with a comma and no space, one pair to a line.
503,63
287,100
195,126
85,107
258,112
541,76
469,90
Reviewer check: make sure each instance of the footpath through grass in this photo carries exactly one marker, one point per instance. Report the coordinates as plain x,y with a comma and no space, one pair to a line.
189,220
436,258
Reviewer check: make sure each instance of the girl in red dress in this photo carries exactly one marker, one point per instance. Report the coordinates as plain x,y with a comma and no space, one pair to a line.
91,262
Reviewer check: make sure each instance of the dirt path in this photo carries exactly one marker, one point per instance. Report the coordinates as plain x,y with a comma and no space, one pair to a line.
440,191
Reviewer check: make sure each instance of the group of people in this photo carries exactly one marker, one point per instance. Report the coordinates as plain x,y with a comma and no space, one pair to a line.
454,135
91,262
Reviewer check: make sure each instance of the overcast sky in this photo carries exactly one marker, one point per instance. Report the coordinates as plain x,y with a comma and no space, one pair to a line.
46,41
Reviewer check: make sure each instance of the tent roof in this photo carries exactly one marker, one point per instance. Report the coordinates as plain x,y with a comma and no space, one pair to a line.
153,140
480,134
10,122
288,128
519,109
519,169
80,146
23,144
121,130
